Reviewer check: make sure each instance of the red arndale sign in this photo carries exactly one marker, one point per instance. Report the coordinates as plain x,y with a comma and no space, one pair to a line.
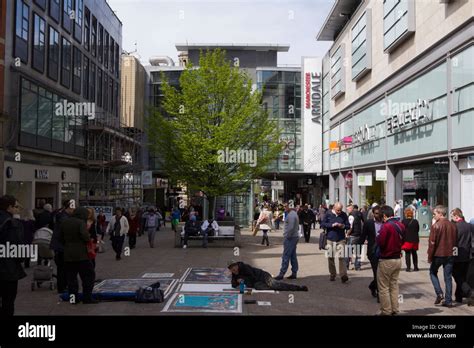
308,90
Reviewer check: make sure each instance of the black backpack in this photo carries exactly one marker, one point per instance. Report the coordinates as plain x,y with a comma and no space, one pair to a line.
150,294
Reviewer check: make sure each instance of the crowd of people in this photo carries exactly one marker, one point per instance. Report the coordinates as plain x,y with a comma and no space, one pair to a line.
77,234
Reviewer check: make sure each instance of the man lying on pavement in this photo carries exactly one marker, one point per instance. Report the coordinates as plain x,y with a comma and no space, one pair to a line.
258,279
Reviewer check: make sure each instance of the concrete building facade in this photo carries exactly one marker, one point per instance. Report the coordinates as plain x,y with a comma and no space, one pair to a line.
398,94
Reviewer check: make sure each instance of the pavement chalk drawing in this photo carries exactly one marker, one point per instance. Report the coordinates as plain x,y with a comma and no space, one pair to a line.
208,303
126,287
206,275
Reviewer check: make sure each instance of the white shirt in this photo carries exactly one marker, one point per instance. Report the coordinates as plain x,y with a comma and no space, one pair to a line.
214,225
124,227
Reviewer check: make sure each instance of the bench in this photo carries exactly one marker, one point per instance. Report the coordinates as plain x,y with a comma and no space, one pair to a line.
227,236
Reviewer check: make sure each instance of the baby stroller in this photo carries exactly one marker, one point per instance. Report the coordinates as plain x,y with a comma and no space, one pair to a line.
43,272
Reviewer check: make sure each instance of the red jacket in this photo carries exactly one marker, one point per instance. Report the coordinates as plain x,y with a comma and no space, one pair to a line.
390,240
134,225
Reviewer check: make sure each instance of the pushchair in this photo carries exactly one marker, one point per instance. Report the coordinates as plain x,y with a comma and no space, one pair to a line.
43,272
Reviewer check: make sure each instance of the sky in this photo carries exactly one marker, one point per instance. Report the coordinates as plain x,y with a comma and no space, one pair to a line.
157,25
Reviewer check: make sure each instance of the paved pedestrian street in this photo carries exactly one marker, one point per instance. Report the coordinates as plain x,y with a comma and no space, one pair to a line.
323,298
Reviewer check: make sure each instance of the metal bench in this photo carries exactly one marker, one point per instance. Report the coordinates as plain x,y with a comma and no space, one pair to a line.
228,236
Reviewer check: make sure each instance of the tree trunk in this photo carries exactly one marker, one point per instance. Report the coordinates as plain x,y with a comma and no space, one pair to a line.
212,206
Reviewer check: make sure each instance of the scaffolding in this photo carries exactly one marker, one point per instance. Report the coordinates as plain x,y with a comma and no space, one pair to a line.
111,171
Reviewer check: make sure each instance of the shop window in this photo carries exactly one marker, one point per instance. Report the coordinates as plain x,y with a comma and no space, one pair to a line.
22,25
362,46
53,54
39,43
398,22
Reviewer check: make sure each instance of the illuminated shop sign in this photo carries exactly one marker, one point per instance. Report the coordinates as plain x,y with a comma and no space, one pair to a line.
411,117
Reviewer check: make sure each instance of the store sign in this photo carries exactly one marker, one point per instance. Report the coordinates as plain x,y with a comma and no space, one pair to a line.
147,178
42,174
411,117
364,179
380,175
408,175
311,105
277,185
365,134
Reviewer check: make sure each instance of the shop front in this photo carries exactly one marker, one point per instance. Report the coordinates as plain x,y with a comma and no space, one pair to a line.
31,184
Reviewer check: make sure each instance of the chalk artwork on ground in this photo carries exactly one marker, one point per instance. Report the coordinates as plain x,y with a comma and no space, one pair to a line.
130,286
204,302
158,275
206,275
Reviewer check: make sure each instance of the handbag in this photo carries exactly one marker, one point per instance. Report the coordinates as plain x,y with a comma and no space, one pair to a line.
323,239
91,249
150,294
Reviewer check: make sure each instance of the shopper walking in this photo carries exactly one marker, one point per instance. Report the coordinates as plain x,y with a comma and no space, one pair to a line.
93,227
151,226
307,218
442,241
291,237
465,233
390,241
11,271
370,231
336,223
118,229
134,224
265,223
353,235
412,239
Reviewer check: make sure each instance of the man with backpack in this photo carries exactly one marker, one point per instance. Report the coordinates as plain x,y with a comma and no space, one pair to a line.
152,225
389,241
11,271
307,218
118,228
353,235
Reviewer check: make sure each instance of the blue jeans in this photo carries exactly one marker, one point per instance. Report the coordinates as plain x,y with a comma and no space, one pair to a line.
289,255
447,262
353,248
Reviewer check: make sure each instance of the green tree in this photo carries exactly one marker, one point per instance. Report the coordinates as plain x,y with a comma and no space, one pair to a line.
215,112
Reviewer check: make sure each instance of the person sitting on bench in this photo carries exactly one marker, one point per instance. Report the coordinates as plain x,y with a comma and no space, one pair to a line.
191,228
209,228
258,279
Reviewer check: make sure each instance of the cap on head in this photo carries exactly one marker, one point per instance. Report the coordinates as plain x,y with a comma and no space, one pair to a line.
231,263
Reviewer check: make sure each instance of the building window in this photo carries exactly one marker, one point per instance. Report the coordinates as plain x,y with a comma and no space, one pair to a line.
362,46
41,3
92,81
398,22
94,37
101,42
99,87
117,60
105,101
76,80
54,9
112,55
22,27
116,99
106,50
66,56
78,20
111,95
53,54
87,30
39,43
337,73
68,13
85,82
